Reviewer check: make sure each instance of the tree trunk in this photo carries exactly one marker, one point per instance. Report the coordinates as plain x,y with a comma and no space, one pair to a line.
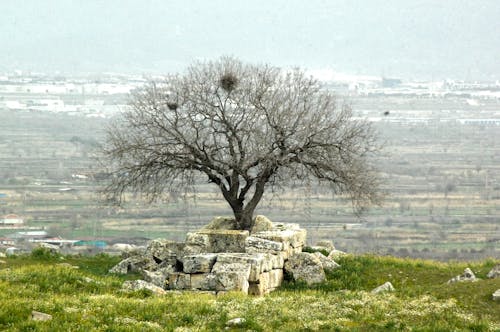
244,218
245,221
244,213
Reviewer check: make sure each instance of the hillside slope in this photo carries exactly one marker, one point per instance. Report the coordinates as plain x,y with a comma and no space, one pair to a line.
81,296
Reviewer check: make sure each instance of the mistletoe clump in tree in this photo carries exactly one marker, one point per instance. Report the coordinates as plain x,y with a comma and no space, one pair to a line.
246,128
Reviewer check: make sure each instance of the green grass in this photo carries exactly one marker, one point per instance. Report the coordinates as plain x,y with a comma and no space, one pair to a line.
89,299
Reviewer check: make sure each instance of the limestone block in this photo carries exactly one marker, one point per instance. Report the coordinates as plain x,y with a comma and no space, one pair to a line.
258,289
267,263
201,263
133,285
197,243
232,281
134,264
261,223
294,237
275,278
243,268
163,250
232,277
225,240
327,263
194,250
204,281
256,262
268,281
295,250
256,244
305,266
156,278
277,261
197,239
179,281
264,282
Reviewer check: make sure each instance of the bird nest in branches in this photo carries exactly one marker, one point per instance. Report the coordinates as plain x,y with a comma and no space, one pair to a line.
172,106
228,82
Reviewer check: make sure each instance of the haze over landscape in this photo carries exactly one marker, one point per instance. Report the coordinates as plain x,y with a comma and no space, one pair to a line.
419,39
359,192
424,73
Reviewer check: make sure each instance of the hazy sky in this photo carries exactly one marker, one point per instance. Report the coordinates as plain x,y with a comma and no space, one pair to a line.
430,39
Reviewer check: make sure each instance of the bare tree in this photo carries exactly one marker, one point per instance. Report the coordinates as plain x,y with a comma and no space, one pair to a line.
246,128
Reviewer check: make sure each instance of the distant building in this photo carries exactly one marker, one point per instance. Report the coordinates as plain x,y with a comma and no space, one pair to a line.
6,241
91,243
11,220
28,235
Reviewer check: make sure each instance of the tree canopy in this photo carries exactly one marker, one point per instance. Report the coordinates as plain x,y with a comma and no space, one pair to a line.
246,128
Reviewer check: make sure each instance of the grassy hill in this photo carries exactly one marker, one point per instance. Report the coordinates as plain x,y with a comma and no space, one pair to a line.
87,298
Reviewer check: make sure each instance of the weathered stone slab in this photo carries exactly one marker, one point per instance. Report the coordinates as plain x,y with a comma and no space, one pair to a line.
268,281
232,276
204,281
257,244
201,263
133,285
327,263
225,240
261,223
179,281
156,278
243,268
306,267
257,262
197,243
294,237
256,289
163,250
134,264
496,295
277,261
275,278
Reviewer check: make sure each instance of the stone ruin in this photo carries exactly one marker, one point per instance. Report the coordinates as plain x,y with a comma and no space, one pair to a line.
219,258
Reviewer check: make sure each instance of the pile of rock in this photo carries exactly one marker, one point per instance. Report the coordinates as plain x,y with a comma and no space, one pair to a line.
218,258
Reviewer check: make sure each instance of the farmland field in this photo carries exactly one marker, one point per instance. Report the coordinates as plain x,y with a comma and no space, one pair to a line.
441,176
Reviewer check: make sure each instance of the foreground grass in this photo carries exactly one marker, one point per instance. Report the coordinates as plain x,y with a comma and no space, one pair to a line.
88,299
